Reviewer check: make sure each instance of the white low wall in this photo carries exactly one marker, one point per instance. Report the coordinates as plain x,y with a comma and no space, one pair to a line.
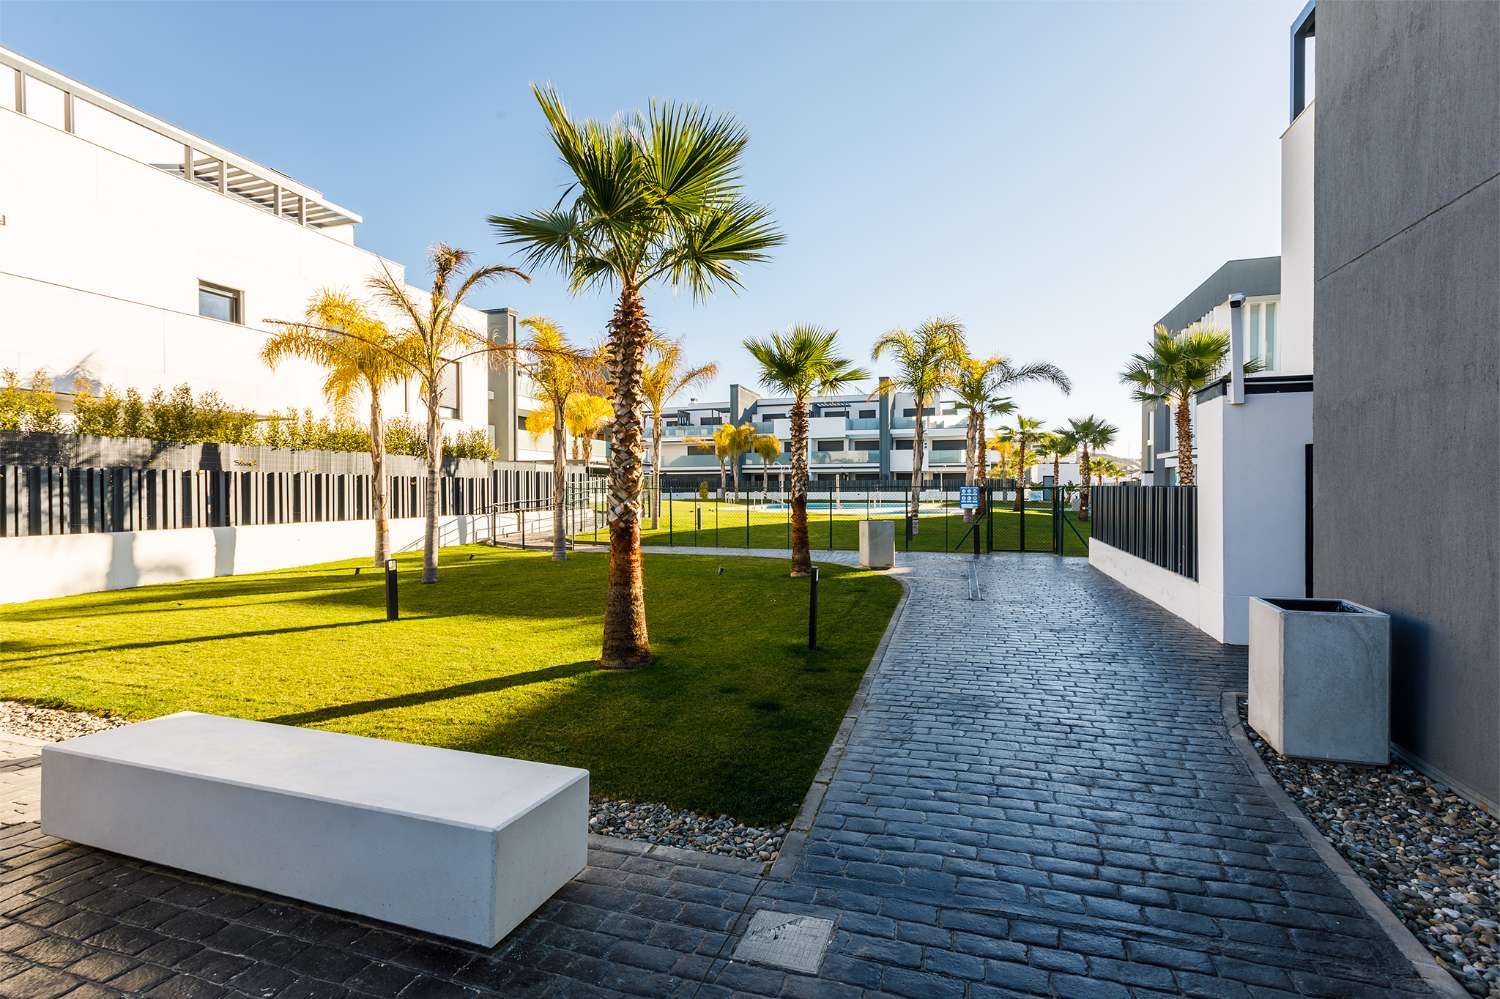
1187,598
60,565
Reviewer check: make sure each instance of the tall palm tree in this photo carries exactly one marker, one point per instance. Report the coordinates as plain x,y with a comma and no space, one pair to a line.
768,446
801,363
981,387
664,376
358,350
1089,432
1171,370
557,371
928,360
431,341
653,198
1022,435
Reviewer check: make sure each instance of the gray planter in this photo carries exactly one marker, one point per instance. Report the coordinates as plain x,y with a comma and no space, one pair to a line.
877,544
1320,678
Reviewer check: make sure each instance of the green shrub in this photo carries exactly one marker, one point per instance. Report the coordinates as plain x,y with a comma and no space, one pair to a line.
471,444
403,436
32,409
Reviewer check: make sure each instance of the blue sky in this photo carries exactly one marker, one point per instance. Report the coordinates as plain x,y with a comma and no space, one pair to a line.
1055,175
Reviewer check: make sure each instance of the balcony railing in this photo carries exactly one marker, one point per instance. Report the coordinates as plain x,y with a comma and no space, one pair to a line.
844,457
855,424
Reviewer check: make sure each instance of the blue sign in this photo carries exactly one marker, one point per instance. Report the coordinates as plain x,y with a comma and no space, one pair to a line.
968,497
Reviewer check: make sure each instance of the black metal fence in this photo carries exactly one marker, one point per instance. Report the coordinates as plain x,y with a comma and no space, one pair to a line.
1155,523
52,499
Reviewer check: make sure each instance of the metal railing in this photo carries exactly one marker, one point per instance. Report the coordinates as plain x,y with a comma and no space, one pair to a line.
1156,523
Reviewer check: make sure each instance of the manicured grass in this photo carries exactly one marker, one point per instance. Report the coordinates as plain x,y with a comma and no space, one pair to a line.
723,526
733,717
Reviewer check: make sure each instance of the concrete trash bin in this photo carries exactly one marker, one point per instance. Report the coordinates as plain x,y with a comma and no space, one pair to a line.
1320,678
877,544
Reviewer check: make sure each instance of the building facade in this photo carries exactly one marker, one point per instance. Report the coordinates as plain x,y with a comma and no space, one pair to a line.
134,254
1405,279
851,439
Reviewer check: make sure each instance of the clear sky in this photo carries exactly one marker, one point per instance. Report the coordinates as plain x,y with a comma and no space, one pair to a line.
1055,175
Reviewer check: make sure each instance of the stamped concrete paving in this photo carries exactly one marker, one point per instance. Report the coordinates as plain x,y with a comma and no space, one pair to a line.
1038,799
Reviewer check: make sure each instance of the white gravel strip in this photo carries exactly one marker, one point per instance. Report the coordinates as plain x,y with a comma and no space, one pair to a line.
660,825
1430,855
52,724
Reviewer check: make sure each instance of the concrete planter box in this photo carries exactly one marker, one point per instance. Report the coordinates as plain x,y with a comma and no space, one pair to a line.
877,544
1320,678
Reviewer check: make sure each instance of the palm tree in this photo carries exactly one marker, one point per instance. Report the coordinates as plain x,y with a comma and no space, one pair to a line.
587,415
663,378
1022,436
1089,432
1171,370
980,388
723,448
432,341
769,449
340,334
801,363
928,360
655,197
741,441
1057,446
1106,468
557,371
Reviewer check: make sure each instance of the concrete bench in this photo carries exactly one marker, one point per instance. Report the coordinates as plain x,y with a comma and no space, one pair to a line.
457,844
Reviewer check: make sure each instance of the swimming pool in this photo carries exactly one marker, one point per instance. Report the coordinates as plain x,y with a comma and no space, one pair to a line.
853,508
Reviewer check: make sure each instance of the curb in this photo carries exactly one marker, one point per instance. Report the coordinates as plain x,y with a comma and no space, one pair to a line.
1395,930
796,838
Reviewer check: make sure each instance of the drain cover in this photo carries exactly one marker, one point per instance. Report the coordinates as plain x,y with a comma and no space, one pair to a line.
785,940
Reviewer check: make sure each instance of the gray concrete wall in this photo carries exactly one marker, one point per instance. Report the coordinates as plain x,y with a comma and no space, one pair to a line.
1407,357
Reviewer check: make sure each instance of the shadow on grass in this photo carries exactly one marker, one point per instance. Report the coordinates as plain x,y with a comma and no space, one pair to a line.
489,685
91,650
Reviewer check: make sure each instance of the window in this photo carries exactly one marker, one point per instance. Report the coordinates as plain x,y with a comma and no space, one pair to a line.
520,423
901,445
708,421
829,446
867,445
700,449
948,444
867,414
835,412
911,411
448,391
1263,334
218,302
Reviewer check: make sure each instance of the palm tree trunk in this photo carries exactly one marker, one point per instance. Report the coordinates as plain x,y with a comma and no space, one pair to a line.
1084,478
559,484
1187,475
379,504
1020,504
655,469
801,550
626,644
916,468
981,453
722,475
734,472
434,461
1056,470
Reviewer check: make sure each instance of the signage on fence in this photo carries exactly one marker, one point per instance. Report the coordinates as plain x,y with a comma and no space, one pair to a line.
968,497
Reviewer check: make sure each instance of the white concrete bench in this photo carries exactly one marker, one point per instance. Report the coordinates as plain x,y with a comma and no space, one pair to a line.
453,843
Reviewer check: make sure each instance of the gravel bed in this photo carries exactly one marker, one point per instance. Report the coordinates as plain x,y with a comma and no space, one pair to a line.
649,823
52,724
658,824
1433,857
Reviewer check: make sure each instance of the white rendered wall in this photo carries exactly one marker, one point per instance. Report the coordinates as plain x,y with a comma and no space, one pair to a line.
99,269
1251,505
1295,328
60,565
1182,596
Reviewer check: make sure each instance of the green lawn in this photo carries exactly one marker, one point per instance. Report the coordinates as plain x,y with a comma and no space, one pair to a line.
723,526
733,717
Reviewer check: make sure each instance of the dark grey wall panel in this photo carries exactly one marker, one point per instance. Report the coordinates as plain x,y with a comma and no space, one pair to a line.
1407,355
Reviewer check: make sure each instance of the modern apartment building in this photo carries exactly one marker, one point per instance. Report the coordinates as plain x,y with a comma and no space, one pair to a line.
851,438
1259,280
135,254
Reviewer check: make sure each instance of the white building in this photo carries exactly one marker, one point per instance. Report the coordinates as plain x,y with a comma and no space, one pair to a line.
135,254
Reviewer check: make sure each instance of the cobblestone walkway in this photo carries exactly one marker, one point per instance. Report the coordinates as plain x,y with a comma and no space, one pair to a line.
1038,799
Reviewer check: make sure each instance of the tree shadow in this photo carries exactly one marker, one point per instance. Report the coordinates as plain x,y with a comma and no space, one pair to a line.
188,640
487,685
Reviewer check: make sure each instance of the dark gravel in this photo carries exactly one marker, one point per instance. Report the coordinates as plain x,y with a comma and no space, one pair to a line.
656,823
1432,856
